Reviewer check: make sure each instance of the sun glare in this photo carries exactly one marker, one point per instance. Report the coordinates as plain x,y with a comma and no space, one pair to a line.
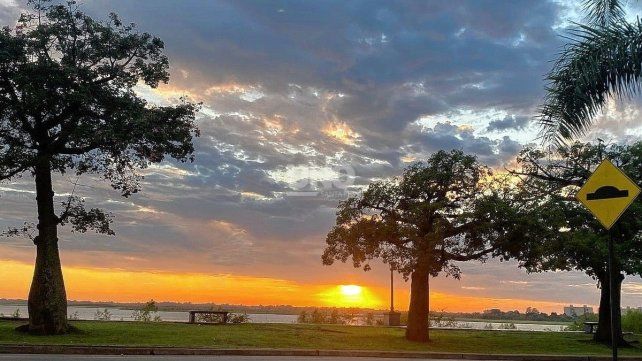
350,290
349,296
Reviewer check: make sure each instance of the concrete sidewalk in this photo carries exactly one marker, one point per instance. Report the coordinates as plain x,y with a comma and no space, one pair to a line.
177,351
14,357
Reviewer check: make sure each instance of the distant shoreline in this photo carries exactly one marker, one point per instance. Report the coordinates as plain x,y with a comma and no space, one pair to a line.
463,319
292,310
184,307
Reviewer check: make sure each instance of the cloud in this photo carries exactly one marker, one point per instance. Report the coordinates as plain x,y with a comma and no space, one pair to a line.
9,11
511,122
426,140
394,62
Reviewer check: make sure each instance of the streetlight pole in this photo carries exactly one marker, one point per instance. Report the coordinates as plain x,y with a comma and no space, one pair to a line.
392,318
392,297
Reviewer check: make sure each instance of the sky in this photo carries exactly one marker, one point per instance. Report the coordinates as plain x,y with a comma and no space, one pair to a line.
302,103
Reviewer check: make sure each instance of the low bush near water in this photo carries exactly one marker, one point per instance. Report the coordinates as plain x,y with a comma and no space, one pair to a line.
578,323
632,321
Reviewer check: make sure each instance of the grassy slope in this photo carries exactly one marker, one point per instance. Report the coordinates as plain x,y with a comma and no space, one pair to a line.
312,336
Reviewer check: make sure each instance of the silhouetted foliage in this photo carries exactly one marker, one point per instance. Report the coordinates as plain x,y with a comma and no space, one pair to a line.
602,60
514,315
149,313
303,317
439,212
578,322
103,315
568,237
332,316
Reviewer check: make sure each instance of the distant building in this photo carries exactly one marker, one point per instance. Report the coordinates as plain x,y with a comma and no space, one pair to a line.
573,311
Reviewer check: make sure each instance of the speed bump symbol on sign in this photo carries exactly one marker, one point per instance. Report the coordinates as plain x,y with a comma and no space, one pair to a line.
608,193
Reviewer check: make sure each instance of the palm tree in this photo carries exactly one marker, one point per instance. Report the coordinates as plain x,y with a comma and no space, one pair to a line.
602,60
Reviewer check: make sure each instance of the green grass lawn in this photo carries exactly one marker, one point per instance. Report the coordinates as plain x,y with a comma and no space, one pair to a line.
312,337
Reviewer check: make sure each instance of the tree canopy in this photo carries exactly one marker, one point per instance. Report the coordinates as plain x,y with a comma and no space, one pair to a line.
569,237
438,213
68,105
67,91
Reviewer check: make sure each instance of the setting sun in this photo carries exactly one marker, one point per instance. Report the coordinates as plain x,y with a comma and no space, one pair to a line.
349,296
350,290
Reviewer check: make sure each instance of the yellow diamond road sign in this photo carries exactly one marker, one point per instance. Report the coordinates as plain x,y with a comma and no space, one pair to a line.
608,193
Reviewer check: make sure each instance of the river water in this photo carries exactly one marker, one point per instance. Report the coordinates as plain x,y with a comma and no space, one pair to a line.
118,314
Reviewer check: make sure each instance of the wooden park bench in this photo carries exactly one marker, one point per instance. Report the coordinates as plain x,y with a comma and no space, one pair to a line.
223,314
589,326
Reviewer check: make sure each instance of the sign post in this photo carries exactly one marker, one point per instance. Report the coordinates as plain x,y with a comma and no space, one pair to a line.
607,194
615,339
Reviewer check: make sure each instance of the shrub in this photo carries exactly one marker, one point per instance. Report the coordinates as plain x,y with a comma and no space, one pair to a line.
578,323
632,321
334,317
440,319
369,319
318,317
303,317
104,315
74,316
238,318
149,313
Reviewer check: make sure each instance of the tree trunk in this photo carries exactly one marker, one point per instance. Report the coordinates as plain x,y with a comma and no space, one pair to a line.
418,323
603,333
47,297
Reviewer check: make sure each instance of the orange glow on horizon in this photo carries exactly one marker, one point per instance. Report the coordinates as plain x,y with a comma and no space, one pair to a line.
96,284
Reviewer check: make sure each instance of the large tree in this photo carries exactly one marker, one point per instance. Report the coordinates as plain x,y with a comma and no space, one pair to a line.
602,60
568,236
67,104
437,213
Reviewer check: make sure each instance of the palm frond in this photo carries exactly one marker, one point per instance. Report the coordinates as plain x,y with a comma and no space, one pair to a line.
603,12
600,62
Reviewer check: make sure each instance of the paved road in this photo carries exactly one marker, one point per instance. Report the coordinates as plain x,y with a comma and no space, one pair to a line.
187,358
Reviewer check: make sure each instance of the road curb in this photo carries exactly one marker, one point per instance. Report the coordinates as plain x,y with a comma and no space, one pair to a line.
178,351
